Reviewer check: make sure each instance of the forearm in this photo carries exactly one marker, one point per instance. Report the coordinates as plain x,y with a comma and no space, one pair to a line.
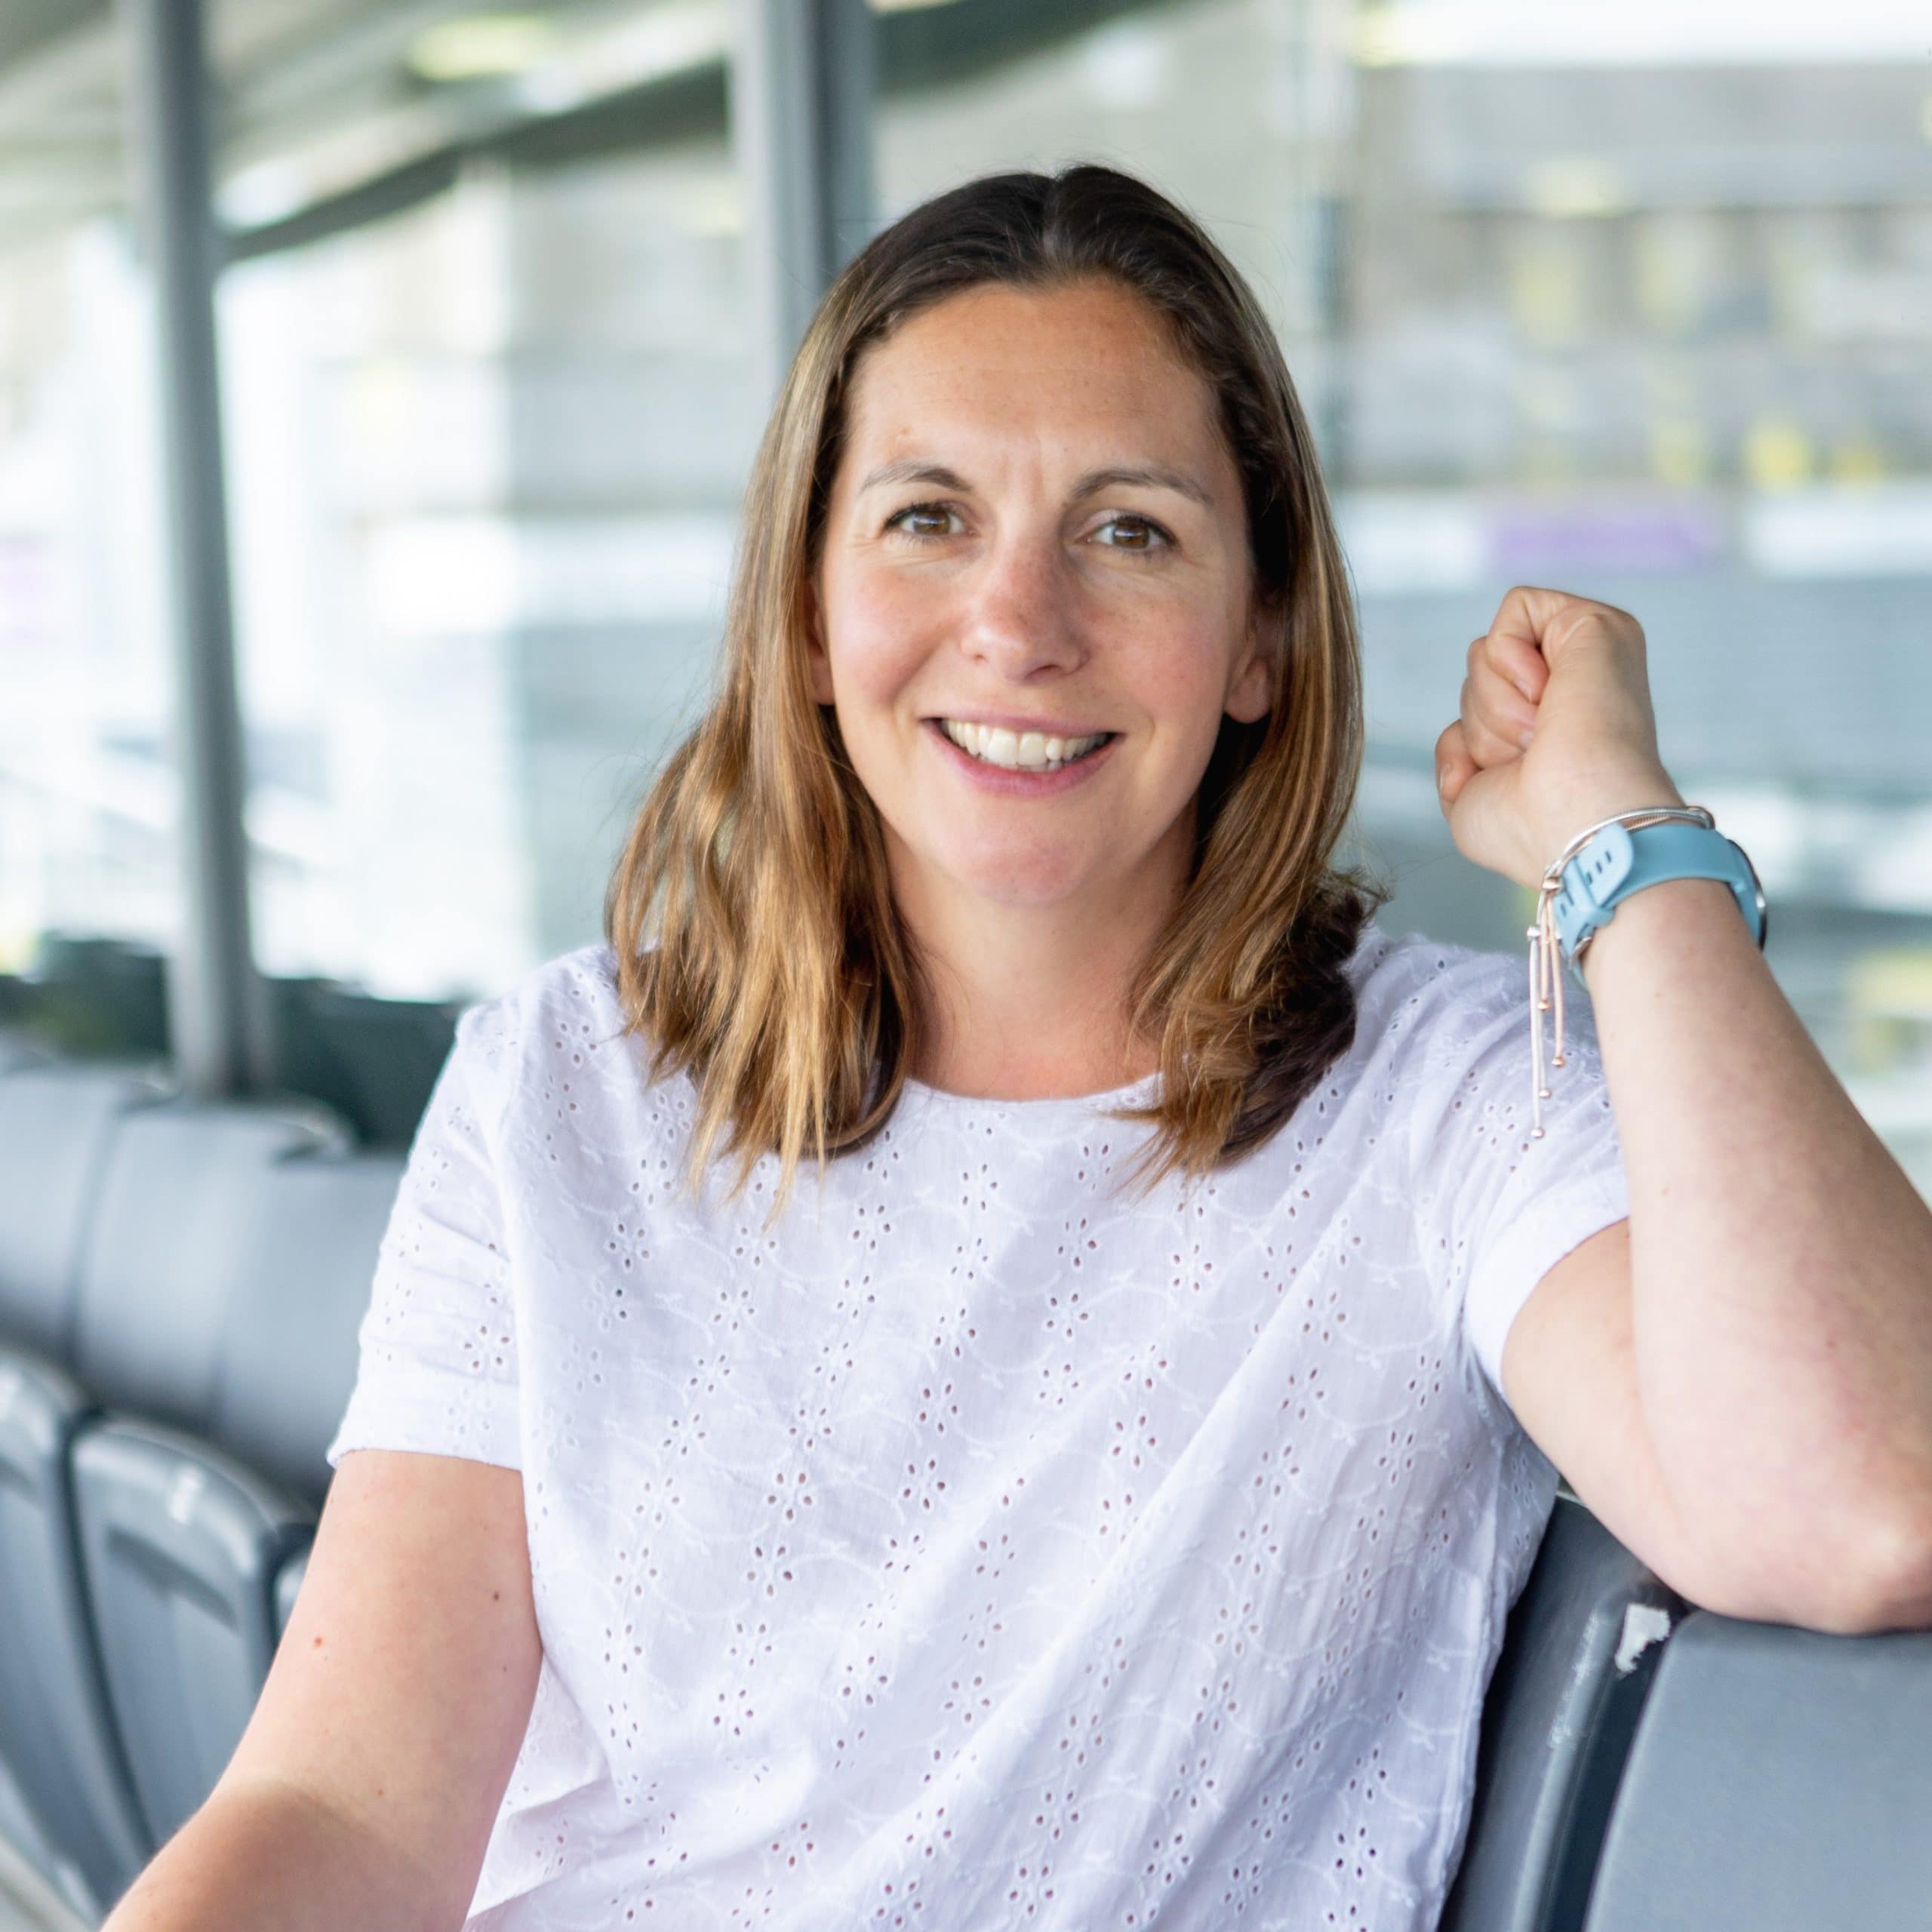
1781,1259
255,1861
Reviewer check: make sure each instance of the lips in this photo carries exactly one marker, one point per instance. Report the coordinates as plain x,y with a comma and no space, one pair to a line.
1003,781
982,739
1018,727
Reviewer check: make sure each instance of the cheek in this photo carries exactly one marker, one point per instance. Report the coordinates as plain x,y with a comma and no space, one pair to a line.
1178,673
875,636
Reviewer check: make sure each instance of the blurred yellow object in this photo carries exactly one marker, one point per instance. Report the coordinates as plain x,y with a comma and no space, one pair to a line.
1777,453
1546,294
478,45
1679,452
1857,459
1888,1006
1571,185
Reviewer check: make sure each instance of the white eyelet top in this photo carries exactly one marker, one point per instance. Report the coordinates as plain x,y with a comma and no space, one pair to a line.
977,1549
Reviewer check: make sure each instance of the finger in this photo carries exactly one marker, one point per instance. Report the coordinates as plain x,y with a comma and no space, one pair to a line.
1454,766
1528,609
1514,657
1491,739
1500,705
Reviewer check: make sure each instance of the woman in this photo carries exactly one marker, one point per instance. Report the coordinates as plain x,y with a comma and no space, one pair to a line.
974,1539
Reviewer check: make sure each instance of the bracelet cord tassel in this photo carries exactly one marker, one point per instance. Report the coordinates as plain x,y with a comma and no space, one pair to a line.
1545,989
1546,964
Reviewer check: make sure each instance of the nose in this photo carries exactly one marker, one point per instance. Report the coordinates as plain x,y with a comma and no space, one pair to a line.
1022,614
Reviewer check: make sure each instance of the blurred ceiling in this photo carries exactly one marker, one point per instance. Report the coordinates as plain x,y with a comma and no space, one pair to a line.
330,111
336,92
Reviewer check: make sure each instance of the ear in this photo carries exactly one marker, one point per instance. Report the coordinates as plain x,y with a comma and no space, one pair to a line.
1250,692
817,665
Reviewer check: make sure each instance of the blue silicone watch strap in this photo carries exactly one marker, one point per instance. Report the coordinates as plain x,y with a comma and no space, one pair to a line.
1620,860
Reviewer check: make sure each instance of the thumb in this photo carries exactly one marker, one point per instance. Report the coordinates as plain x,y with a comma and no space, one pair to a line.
1454,766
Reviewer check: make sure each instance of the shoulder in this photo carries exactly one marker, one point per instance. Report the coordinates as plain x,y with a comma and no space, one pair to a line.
1449,1029
1424,992
575,993
557,1013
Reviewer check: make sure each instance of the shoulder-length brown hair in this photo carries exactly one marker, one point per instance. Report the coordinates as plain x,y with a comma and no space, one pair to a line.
758,947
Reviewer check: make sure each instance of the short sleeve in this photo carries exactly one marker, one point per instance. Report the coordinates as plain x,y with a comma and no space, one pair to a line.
438,1349
1495,1210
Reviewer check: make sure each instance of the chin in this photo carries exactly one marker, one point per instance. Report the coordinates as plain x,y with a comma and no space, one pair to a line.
1006,886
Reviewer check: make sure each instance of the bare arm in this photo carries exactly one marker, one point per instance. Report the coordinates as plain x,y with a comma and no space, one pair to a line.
364,1788
1759,1397
1781,1259
270,1860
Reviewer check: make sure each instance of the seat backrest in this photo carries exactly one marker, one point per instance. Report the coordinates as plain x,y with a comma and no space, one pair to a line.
57,1121
304,1259
20,1049
159,1261
1577,1660
96,995
375,1060
1780,1780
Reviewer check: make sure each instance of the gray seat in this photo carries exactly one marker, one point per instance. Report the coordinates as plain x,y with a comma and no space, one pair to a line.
1780,1780
195,1537
305,1266
96,997
117,1223
56,1123
180,1546
18,1049
194,1501
1578,1656
374,1059
56,1118
288,1587
195,1540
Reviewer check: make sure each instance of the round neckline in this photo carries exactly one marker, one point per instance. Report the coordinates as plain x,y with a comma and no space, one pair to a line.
1109,1097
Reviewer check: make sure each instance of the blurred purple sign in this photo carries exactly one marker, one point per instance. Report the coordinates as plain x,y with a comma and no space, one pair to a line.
27,592
1529,543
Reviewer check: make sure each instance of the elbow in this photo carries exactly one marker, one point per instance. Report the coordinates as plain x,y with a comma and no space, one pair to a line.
1891,1589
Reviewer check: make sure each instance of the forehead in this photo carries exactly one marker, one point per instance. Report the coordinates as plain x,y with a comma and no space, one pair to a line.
1093,361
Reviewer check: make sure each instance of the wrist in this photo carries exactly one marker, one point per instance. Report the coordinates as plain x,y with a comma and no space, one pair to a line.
1635,855
1671,905
1559,827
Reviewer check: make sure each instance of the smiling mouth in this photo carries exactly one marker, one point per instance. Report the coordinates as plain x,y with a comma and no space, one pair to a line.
981,743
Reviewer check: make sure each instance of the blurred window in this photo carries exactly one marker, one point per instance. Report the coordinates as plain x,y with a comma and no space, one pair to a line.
87,795
485,454
1636,301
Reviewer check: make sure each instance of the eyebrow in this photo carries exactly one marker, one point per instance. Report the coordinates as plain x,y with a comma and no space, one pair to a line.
1152,475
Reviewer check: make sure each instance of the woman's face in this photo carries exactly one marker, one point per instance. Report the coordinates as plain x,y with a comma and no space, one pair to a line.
1027,586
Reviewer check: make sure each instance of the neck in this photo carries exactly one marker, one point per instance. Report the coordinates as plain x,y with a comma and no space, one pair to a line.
1031,1001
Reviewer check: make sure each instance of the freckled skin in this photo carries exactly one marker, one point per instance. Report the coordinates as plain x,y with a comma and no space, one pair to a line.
1128,611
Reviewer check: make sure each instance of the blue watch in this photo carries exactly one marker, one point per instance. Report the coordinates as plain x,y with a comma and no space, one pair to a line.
1616,859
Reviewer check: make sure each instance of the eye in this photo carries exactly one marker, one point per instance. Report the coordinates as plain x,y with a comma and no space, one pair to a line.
1147,523
893,522
896,523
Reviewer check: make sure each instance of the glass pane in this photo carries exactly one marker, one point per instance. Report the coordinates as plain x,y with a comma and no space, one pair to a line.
88,809
1635,302
485,453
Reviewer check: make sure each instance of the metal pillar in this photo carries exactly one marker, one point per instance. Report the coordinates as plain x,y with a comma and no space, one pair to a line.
802,83
217,1009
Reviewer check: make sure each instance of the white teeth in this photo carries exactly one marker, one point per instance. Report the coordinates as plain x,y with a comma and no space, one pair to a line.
1028,751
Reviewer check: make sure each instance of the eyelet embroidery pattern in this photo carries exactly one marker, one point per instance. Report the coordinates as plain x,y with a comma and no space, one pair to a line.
976,1548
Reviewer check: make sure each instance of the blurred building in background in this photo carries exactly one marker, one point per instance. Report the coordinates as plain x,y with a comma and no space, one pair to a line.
1635,301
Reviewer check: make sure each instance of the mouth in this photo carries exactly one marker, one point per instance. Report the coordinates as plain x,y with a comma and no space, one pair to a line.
1001,748
1021,781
